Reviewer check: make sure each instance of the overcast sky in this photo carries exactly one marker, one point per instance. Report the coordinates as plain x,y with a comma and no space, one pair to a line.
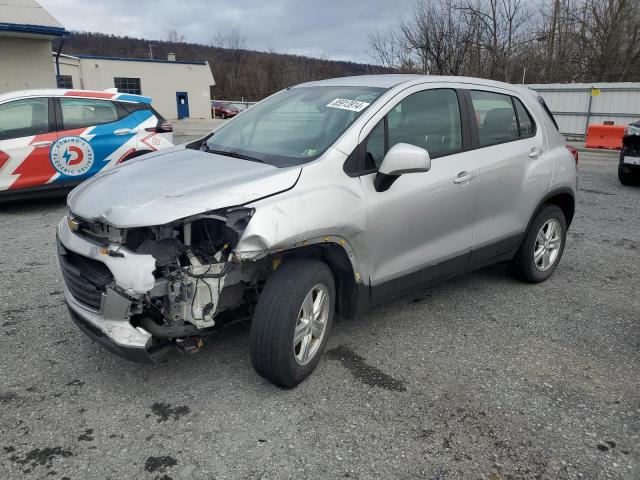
336,29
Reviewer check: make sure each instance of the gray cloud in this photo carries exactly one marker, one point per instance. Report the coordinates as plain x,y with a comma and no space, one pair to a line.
336,29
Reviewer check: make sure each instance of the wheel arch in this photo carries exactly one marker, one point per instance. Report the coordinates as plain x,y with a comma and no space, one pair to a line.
337,259
135,154
563,198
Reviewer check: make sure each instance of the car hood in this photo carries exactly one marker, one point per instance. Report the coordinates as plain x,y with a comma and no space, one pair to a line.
159,188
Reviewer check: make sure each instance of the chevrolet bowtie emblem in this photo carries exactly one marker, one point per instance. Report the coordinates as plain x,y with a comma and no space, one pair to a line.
73,224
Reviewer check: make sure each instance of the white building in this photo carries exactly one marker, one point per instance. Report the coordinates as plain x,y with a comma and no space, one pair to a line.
177,89
26,31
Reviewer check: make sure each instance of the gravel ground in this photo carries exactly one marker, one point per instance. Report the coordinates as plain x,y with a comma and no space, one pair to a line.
479,377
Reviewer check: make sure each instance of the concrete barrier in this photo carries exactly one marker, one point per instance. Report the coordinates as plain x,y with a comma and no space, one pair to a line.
605,136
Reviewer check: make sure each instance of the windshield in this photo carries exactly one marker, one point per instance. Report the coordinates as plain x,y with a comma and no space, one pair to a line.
294,126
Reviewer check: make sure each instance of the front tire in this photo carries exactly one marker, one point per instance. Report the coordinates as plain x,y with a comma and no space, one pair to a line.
292,321
542,247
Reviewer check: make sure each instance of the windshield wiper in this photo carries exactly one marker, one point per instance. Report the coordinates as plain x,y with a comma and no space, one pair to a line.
228,153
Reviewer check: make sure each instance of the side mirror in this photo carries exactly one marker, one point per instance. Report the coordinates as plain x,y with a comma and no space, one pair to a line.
400,159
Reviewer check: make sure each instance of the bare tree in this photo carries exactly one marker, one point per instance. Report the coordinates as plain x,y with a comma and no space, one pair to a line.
384,48
232,40
234,44
501,30
437,36
174,37
490,38
608,35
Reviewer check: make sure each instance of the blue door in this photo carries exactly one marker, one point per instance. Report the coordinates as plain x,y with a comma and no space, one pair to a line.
182,100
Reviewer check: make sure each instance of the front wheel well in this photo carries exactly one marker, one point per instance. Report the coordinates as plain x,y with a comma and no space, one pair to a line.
338,261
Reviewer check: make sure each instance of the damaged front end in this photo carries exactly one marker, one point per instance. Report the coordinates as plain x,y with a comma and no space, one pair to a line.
140,291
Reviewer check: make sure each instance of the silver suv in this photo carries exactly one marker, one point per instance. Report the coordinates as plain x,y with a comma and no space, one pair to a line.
326,198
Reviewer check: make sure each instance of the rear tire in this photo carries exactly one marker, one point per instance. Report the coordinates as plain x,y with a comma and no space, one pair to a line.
542,247
282,312
627,178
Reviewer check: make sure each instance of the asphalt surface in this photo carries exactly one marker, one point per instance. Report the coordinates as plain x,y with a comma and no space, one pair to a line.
479,377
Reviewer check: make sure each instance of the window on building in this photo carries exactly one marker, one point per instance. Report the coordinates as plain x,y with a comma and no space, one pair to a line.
65,81
23,118
86,112
128,85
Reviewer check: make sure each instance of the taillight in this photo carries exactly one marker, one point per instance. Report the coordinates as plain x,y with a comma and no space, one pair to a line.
573,151
163,127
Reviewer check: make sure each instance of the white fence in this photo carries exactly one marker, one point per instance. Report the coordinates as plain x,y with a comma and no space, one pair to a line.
578,105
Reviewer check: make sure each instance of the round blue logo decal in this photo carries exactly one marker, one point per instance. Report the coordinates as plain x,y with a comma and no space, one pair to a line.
72,156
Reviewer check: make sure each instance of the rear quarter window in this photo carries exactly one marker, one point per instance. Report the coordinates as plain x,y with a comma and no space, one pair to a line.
127,108
548,112
526,126
86,112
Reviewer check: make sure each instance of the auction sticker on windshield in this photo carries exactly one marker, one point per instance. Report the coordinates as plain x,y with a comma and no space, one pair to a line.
346,104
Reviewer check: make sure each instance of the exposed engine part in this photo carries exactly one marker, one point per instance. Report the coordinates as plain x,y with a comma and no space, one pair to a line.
166,252
162,331
196,277
189,345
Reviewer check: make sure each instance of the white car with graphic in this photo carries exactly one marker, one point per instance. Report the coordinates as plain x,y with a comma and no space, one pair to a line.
52,140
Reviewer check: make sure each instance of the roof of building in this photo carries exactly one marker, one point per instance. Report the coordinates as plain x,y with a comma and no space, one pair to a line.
110,94
28,16
123,59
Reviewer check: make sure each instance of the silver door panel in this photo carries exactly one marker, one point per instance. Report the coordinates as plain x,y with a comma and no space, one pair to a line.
423,219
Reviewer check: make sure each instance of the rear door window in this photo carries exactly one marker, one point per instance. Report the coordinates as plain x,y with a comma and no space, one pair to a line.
495,116
86,112
23,118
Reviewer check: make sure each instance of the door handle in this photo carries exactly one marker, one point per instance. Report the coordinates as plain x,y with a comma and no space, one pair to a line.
44,143
535,151
464,177
122,131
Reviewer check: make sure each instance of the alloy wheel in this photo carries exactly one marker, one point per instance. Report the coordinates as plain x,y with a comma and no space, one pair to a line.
547,245
311,325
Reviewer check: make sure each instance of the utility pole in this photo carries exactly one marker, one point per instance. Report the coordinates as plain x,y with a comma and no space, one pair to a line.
151,51
551,38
